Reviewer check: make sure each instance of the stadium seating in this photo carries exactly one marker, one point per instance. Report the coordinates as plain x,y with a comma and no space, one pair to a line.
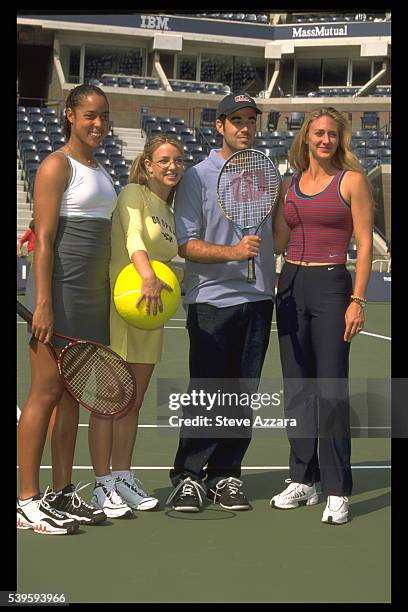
295,120
370,121
39,133
249,17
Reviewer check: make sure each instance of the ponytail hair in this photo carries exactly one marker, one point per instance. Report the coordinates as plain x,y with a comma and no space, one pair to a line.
138,172
74,99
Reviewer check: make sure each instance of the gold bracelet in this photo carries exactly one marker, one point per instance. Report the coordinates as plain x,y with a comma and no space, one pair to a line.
359,300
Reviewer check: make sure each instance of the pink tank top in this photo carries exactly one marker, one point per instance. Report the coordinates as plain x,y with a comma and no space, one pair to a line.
321,224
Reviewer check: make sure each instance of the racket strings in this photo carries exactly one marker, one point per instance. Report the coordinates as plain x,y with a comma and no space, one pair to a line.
248,187
97,378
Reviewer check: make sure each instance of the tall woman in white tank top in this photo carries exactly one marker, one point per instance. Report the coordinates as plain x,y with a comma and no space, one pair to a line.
68,292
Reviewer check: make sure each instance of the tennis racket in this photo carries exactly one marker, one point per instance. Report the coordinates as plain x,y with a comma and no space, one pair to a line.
248,188
93,375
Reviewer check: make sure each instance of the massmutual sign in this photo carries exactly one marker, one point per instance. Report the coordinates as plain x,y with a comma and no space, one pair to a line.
319,32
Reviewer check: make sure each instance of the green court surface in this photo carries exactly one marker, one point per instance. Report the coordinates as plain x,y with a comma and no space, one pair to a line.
264,555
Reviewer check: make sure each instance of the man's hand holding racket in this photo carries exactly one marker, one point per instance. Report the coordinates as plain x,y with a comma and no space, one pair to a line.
246,248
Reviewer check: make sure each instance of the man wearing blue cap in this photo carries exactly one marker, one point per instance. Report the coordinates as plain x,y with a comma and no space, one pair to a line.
228,319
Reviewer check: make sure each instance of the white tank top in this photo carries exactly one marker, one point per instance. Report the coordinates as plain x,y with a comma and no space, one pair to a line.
90,192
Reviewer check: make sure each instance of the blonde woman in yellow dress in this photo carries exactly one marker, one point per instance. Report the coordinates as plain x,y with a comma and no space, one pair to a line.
142,230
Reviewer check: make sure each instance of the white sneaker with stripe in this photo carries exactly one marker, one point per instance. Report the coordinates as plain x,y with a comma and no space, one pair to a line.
106,498
131,492
39,515
296,494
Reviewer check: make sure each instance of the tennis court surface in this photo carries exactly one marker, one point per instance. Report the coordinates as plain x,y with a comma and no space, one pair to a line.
263,555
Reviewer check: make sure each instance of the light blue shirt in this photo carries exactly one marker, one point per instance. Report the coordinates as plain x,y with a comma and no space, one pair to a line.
199,217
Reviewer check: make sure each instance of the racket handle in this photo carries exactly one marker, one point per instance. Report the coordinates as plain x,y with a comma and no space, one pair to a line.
251,278
24,313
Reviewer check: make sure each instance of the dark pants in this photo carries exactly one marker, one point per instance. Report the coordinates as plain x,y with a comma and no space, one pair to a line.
310,307
227,345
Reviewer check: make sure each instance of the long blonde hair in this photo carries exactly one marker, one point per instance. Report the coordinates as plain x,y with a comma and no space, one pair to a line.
138,172
344,157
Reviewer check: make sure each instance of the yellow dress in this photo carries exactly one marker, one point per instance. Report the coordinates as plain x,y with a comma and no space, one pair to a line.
141,222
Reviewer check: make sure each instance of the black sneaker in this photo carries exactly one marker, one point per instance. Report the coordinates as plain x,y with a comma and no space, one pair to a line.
72,505
187,497
38,514
227,493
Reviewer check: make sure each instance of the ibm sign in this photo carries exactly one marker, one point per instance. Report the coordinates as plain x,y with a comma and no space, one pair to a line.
152,22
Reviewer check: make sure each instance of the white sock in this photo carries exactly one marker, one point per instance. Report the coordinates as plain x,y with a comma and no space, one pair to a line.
23,502
104,479
127,474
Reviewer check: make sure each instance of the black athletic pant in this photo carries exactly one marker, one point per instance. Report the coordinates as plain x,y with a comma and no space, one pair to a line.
227,345
310,307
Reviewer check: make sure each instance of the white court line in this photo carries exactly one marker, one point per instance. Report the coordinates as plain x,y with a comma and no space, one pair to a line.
272,330
375,335
253,467
256,427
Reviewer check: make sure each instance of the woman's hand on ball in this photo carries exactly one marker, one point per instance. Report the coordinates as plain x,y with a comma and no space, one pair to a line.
151,293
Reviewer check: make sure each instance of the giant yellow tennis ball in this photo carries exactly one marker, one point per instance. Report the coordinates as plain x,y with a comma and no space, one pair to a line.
126,293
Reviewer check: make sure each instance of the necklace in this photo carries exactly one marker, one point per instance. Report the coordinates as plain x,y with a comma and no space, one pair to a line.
87,161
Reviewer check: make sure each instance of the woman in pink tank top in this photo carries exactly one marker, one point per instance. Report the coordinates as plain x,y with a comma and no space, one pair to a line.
318,310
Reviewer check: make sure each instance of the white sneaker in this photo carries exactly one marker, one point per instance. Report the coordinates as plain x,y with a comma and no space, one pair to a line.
39,515
336,510
133,494
296,494
106,498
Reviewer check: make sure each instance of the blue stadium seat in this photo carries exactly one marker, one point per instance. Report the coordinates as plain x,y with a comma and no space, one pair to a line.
369,164
113,150
23,140
48,112
366,134
110,81
360,152
117,161
186,133
125,81
154,131
22,117
33,110
29,174
109,169
38,129
23,127
188,139
41,138
102,158
199,158
139,83
153,84
51,120
371,153
384,153
171,131
295,120
28,150
278,152
370,121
